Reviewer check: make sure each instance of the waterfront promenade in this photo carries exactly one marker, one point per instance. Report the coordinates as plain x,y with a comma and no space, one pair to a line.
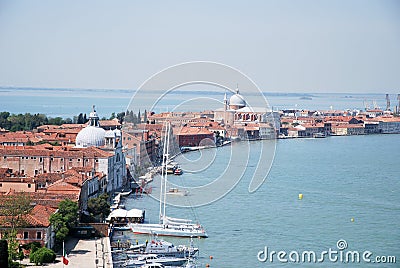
88,253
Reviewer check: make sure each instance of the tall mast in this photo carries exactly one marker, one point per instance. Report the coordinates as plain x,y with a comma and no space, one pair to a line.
163,171
166,173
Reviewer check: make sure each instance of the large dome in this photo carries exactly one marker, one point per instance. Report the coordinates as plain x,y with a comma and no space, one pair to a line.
90,136
237,101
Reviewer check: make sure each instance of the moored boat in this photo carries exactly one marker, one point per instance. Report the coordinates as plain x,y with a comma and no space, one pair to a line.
177,192
166,226
178,171
162,248
153,258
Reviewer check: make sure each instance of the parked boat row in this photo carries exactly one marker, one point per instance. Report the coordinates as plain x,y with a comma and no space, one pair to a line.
157,253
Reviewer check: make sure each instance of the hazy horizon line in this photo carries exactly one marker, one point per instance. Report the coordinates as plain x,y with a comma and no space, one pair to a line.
275,93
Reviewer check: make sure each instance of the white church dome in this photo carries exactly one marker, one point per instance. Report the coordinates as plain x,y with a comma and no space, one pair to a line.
91,135
237,100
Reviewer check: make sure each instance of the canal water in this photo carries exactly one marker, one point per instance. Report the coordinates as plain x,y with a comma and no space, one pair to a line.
350,202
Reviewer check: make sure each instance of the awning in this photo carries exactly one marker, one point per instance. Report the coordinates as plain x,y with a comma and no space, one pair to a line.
134,213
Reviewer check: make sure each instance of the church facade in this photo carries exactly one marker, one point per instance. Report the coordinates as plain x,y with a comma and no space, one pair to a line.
246,122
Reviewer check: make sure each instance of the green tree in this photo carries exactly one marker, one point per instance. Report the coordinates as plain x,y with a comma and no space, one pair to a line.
56,121
65,218
112,116
69,210
80,119
42,255
98,207
13,208
120,117
134,119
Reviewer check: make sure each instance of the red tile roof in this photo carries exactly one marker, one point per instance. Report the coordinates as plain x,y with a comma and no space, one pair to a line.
62,186
39,216
56,151
193,131
109,123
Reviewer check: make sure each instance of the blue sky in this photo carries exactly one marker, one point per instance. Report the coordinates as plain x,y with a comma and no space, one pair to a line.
284,46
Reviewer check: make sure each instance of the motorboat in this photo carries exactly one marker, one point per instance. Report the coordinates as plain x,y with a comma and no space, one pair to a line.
178,171
162,248
152,265
319,135
177,192
153,258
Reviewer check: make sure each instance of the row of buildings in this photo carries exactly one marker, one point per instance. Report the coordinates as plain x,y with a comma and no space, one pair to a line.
54,163
341,123
82,161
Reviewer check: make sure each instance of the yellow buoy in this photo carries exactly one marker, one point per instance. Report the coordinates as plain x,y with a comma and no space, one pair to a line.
300,196
352,219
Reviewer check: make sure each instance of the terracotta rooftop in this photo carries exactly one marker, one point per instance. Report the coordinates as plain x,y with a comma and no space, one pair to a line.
43,198
349,126
55,151
17,179
62,186
318,125
109,123
40,216
49,177
193,131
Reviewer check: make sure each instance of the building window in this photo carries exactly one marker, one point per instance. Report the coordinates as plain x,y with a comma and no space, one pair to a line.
40,159
26,236
5,157
70,160
1,185
79,160
29,185
38,235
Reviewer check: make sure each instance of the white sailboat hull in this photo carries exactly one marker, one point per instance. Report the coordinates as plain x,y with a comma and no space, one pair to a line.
165,230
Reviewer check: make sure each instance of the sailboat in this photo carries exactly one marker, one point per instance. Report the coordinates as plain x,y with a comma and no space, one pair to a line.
168,226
